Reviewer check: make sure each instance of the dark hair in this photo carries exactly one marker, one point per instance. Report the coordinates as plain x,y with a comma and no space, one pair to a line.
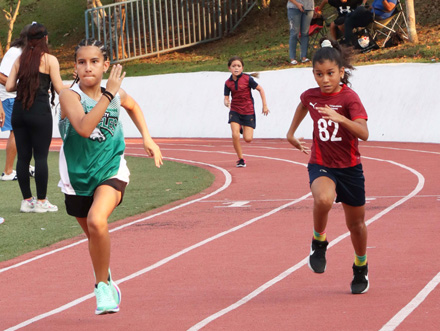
335,53
93,42
28,73
238,58
20,42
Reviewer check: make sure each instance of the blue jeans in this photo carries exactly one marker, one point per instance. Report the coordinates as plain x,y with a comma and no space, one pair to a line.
299,22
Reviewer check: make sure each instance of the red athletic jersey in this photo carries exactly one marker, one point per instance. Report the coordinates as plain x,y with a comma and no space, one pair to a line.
333,145
240,89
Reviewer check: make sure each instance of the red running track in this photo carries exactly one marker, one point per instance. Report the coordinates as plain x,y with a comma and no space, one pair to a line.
234,257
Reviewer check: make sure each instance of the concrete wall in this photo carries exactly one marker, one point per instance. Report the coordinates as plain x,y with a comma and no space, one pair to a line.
401,101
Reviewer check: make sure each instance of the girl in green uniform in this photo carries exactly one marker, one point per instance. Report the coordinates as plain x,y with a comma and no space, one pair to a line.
92,166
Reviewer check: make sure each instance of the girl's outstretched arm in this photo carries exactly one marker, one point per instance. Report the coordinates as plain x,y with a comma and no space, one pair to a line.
71,107
134,111
300,113
263,100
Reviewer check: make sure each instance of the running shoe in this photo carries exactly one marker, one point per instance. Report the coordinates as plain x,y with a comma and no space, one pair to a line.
317,261
360,283
27,206
43,207
2,220
11,176
241,163
116,292
105,303
31,171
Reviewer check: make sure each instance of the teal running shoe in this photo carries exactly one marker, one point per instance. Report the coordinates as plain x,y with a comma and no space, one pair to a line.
116,292
105,302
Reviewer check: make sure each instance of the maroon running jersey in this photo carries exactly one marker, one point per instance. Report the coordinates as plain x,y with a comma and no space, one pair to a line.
240,89
333,145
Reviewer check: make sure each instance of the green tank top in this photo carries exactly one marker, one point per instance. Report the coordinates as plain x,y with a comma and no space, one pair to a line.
87,162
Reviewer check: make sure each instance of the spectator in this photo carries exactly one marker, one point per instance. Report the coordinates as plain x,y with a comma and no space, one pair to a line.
343,7
299,14
32,74
362,17
7,99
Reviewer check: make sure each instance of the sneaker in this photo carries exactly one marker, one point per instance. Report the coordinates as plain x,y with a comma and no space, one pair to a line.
305,60
294,62
11,176
317,261
43,207
116,292
27,206
241,163
105,303
2,220
31,171
360,283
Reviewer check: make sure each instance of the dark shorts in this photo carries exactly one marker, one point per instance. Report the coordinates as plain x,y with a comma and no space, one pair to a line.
79,206
350,182
245,120
339,20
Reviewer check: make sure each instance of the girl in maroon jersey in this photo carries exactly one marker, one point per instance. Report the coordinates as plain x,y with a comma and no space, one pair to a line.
242,113
335,169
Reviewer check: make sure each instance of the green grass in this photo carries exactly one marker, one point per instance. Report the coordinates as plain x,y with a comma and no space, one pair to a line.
149,188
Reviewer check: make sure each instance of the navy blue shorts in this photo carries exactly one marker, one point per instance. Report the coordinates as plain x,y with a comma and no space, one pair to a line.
245,120
350,182
79,206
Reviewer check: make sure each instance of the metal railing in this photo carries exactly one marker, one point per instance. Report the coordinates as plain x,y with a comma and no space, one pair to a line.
139,28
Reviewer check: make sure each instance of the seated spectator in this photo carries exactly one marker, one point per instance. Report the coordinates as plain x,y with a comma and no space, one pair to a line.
362,17
343,7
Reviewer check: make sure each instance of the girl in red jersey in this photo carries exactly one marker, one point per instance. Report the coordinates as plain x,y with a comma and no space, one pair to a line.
242,112
335,169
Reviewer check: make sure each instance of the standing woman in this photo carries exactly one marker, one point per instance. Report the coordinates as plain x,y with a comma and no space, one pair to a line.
300,14
33,74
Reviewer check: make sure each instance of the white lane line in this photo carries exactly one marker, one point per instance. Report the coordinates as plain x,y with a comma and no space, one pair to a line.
228,180
412,305
174,256
262,288
156,265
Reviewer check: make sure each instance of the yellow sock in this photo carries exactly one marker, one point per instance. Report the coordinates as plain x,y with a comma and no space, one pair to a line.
319,236
360,260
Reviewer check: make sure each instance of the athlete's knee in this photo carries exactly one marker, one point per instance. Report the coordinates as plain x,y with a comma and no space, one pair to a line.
96,225
356,226
323,201
248,139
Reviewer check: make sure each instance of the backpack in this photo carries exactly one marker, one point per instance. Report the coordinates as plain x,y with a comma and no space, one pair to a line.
363,41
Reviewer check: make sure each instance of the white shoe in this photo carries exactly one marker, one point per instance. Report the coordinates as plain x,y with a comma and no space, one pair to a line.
28,206
1,220
31,171
42,207
11,176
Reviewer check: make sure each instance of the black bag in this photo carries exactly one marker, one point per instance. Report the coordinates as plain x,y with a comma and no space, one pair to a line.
363,41
394,40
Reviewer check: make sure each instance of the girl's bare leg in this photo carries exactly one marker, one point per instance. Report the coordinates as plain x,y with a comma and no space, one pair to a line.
95,227
235,128
324,194
248,133
355,219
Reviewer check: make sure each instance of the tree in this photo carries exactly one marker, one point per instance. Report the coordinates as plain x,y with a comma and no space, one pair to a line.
11,16
410,13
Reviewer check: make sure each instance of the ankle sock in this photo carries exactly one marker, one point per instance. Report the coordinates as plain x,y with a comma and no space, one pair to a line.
319,236
360,260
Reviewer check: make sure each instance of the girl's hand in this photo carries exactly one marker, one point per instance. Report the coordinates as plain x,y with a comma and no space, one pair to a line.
265,111
153,150
115,79
228,104
328,113
299,143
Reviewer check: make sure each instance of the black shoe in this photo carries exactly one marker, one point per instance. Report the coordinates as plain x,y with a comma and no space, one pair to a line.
317,261
360,283
241,163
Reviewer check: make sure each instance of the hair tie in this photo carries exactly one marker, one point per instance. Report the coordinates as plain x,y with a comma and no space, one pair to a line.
326,43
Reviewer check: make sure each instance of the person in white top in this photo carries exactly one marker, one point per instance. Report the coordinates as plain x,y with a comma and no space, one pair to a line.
7,99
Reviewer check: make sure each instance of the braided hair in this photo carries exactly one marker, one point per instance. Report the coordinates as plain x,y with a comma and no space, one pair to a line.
90,42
